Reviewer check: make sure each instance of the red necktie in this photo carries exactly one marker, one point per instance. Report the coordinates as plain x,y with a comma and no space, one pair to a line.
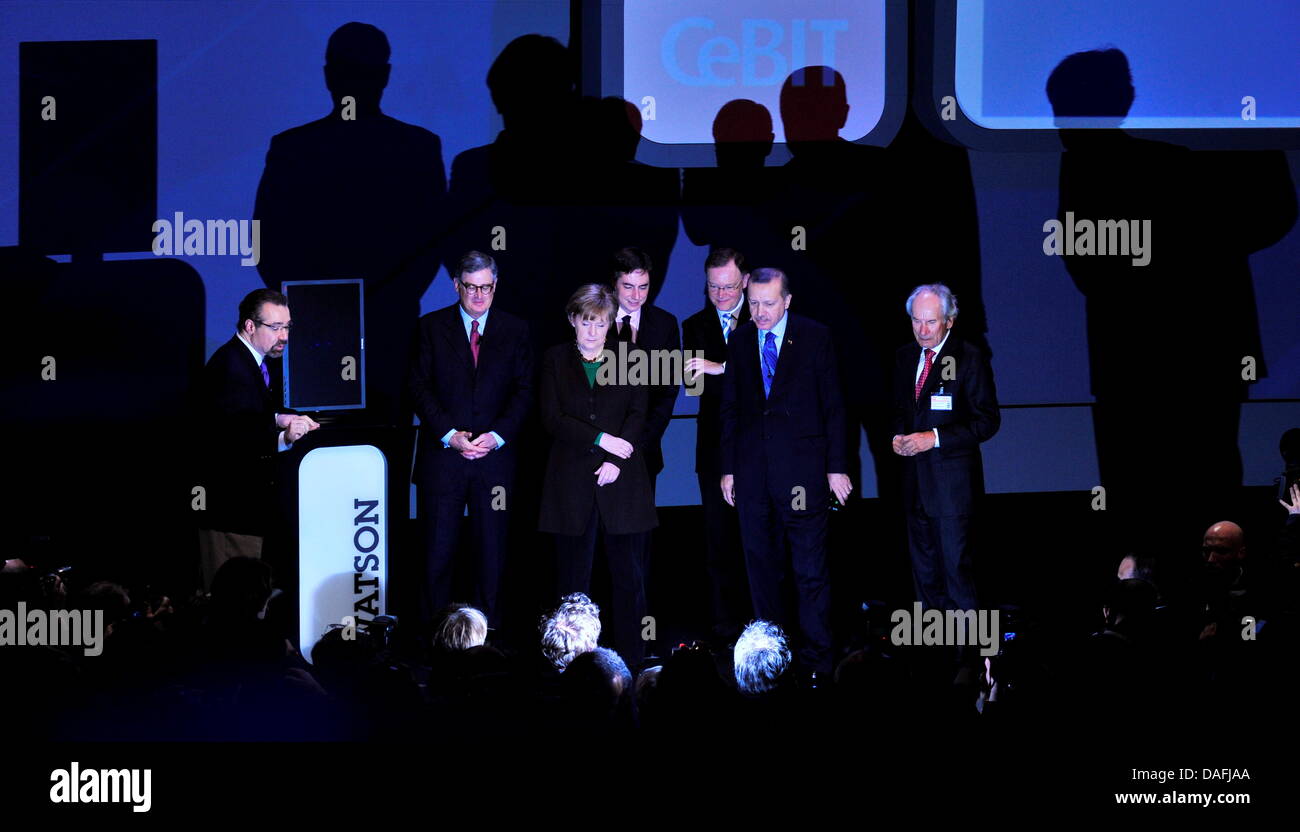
925,371
473,341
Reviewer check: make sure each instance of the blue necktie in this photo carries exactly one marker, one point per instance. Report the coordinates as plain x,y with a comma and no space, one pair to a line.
266,375
769,362
726,326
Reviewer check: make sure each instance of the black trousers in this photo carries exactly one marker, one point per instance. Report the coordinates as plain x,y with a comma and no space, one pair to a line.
767,523
442,513
724,557
626,554
941,556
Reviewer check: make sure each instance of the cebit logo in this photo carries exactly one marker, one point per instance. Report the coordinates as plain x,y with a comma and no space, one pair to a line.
764,55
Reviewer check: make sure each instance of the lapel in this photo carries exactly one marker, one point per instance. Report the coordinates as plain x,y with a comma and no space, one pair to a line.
275,369
488,347
249,363
453,330
785,357
749,355
715,336
646,336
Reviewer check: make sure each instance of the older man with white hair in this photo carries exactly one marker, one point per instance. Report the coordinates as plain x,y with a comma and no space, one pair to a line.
945,405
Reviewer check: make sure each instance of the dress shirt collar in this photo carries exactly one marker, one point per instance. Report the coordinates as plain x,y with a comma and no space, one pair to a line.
467,320
778,331
733,312
257,356
636,317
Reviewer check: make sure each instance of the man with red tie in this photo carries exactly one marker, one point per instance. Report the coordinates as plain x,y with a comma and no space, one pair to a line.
471,382
945,406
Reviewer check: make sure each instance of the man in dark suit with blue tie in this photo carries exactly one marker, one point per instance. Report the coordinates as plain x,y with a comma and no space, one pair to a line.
783,456
705,336
945,405
472,385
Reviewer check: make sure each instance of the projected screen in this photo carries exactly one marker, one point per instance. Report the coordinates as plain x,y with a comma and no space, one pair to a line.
1195,63
688,58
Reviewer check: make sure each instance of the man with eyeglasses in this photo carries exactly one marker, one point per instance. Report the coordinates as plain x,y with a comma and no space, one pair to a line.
471,382
241,392
707,332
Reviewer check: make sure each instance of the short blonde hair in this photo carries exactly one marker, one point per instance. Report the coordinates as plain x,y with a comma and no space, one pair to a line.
592,301
462,629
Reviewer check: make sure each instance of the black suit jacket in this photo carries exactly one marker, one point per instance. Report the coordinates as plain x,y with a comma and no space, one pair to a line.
948,477
796,436
702,332
658,332
574,414
449,392
241,439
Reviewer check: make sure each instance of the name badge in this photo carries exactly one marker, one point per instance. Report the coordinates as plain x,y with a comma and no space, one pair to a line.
941,402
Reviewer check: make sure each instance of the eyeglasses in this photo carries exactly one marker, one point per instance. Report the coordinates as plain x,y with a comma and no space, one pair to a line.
484,289
713,287
276,327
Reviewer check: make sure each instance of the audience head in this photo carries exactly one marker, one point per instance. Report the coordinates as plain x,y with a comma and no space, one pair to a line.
599,682
1130,604
107,596
1136,566
1289,447
761,657
572,629
241,588
646,685
461,628
1224,546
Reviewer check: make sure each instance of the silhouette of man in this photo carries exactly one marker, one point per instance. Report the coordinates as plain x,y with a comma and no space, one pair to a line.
1167,330
356,194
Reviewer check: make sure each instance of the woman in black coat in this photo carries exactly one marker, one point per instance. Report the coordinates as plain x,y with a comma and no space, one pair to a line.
596,478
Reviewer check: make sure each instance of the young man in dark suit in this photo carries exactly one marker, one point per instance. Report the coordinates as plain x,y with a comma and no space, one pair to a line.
246,426
649,328
945,406
705,336
783,456
472,384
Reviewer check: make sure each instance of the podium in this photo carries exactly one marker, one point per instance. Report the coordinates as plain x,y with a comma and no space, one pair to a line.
345,492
